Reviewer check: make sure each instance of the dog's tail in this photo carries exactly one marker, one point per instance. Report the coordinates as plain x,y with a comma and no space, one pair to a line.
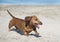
10,14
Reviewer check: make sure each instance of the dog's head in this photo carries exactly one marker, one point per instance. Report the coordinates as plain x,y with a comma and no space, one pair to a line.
33,20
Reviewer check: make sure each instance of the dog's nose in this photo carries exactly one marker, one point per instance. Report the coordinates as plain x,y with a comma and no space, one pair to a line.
41,23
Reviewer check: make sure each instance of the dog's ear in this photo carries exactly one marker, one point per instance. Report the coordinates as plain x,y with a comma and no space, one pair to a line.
27,20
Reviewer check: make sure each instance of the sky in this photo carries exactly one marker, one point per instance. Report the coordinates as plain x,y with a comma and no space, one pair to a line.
31,2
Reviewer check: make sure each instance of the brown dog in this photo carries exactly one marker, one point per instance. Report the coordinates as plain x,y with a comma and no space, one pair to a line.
29,24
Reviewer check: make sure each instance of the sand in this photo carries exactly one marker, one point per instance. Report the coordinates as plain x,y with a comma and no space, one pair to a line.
48,32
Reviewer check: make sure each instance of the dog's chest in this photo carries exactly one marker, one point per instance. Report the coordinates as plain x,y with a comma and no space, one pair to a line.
28,29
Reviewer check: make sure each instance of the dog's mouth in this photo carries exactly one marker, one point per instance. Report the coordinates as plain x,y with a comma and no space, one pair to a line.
37,25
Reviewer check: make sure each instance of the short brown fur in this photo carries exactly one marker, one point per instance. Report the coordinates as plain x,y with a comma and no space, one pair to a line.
26,25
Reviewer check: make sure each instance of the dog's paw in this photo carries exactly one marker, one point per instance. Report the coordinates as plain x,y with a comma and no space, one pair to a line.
37,33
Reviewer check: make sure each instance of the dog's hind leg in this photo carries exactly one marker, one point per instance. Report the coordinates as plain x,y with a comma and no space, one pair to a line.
11,24
17,28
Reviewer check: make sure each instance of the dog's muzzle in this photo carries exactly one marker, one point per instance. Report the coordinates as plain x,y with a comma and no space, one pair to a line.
37,25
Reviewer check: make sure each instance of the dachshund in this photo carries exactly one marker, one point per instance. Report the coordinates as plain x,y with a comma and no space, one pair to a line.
30,23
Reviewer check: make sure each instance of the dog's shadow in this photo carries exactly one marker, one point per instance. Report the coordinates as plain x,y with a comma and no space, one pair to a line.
20,32
35,35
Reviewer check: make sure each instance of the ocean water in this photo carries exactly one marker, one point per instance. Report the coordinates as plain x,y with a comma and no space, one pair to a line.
31,2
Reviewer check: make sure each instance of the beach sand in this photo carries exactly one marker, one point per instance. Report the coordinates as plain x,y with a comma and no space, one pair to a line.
49,15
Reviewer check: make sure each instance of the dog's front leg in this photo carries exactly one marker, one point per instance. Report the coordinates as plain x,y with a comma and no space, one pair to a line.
36,31
25,33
